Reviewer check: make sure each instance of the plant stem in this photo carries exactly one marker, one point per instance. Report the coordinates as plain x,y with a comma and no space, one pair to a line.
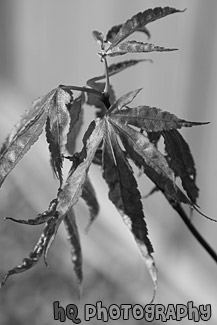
107,86
176,206
87,90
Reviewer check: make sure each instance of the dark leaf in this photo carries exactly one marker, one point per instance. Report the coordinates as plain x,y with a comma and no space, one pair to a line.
136,47
24,135
42,218
72,189
57,129
124,194
40,248
56,159
139,21
151,119
89,196
150,160
74,242
115,29
181,161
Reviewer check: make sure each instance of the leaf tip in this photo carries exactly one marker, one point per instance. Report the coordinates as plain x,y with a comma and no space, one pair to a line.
150,263
46,262
80,291
138,90
195,206
4,280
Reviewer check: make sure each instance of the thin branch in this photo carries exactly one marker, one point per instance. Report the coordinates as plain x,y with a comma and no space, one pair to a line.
176,206
107,86
85,89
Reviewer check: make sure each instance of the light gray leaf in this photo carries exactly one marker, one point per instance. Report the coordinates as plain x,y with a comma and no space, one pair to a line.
24,135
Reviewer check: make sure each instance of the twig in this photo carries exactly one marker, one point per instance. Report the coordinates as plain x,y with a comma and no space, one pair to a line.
176,206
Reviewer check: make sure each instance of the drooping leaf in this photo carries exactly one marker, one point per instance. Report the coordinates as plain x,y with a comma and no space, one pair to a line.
124,194
76,120
74,242
136,47
51,237
56,158
89,196
57,129
181,161
72,189
42,217
24,135
123,101
146,156
151,119
66,198
139,21
115,29
39,249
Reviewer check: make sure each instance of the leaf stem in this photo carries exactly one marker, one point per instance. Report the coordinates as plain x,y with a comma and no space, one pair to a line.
107,86
87,90
176,206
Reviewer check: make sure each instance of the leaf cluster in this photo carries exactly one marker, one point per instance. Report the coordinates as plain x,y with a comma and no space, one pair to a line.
120,136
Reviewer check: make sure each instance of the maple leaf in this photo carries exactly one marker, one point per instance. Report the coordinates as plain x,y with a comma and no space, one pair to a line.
72,188
57,129
145,154
40,248
151,161
62,205
41,218
75,246
118,135
139,21
151,119
136,47
125,196
123,101
24,135
110,36
181,161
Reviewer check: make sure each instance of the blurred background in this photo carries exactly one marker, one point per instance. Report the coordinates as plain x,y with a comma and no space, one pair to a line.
47,43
